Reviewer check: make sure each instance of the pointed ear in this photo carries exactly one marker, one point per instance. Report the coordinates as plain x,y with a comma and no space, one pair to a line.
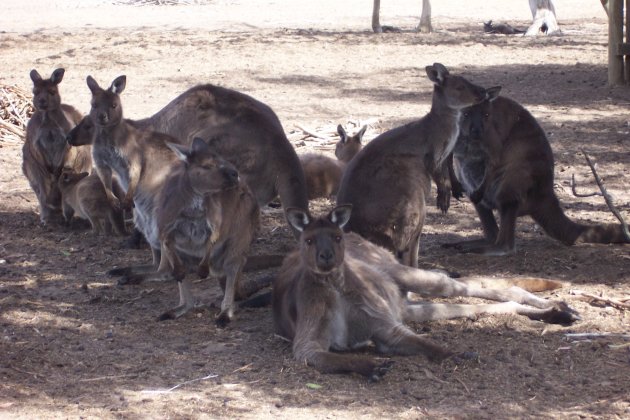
180,151
298,218
118,85
340,215
361,132
493,93
82,175
35,77
198,146
94,87
437,73
342,133
57,76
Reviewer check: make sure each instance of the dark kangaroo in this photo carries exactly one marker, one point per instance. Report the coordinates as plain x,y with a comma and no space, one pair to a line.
500,28
83,196
45,152
322,173
504,161
389,180
338,292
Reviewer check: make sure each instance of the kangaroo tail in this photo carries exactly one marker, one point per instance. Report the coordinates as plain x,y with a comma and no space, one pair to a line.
531,284
262,262
259,301
550,216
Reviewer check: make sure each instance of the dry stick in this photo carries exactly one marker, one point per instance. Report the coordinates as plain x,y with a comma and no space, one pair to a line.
607,197
310,133
575,193
612,302
166,391
597,335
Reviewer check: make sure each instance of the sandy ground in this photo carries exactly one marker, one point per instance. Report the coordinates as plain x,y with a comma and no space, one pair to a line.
73,344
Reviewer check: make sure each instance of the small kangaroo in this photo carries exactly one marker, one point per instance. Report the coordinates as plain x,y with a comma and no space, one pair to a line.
500,28
83,196
337,292
504,161
388,181
45,152
322,173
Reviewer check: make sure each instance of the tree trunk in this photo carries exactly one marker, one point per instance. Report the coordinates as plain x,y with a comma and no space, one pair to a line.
544,18
425,18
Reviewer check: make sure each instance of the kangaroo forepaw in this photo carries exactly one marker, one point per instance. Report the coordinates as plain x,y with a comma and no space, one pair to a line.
166,316
561,314
380,370
223,320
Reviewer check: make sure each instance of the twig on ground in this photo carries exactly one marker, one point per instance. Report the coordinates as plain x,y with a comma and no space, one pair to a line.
612,302
597,335
166,391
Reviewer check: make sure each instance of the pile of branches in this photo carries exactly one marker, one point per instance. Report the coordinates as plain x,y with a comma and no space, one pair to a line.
16,108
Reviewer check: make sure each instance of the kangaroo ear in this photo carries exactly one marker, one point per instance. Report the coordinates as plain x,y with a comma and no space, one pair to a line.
437,73
57,76
94,87
180,151
493,93
340,215
342,133
198,145
361,132
118,85
298,218
35,76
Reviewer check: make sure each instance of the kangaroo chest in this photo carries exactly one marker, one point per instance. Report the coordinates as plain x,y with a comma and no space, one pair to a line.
469,163
110,156
346,327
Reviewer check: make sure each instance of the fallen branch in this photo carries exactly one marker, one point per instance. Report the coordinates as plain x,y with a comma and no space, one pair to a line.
607,197
612,302
597,335
166,391
576,194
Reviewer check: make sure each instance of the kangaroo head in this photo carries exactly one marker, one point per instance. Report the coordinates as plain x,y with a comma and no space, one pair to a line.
207,171
46,91
106,108
321,240
82,133
454,92
69,178
348,146
475,119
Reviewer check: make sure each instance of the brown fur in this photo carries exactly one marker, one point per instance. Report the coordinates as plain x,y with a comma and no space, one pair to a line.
389,180
504,157
339,292
83,196
45,151
322,173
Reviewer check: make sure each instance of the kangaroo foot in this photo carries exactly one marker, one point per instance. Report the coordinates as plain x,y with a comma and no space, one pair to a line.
380,371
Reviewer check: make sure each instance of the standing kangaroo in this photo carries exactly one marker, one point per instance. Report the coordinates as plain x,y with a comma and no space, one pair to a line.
389,180
45,152
83,195
339,292
504,162
179,201
322,173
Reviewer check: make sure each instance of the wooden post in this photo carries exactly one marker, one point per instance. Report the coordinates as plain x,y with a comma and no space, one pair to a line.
615,38
627,42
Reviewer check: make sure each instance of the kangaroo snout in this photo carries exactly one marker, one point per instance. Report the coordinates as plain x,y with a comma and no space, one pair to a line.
230,174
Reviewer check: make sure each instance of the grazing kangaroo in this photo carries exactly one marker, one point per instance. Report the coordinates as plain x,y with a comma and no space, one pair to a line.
389,180
322,173
83,196
503,159
242,130
338,292
45,152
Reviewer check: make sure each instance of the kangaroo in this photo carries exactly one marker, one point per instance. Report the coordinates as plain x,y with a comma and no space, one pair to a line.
175,216
322,173
504,158
83,195
388,181
500,28
45,152
337,292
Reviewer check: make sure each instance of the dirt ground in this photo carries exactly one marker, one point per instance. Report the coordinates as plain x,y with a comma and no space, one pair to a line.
74,344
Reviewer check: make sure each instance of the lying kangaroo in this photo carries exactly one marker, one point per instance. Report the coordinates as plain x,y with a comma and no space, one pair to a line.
45,151
179,203
503,159
500,28
339,292
83,196
322,173
388,181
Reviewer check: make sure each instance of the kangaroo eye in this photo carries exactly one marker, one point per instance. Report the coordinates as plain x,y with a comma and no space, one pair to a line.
51,91
466,114
309,242
338,238
486,115
114,106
